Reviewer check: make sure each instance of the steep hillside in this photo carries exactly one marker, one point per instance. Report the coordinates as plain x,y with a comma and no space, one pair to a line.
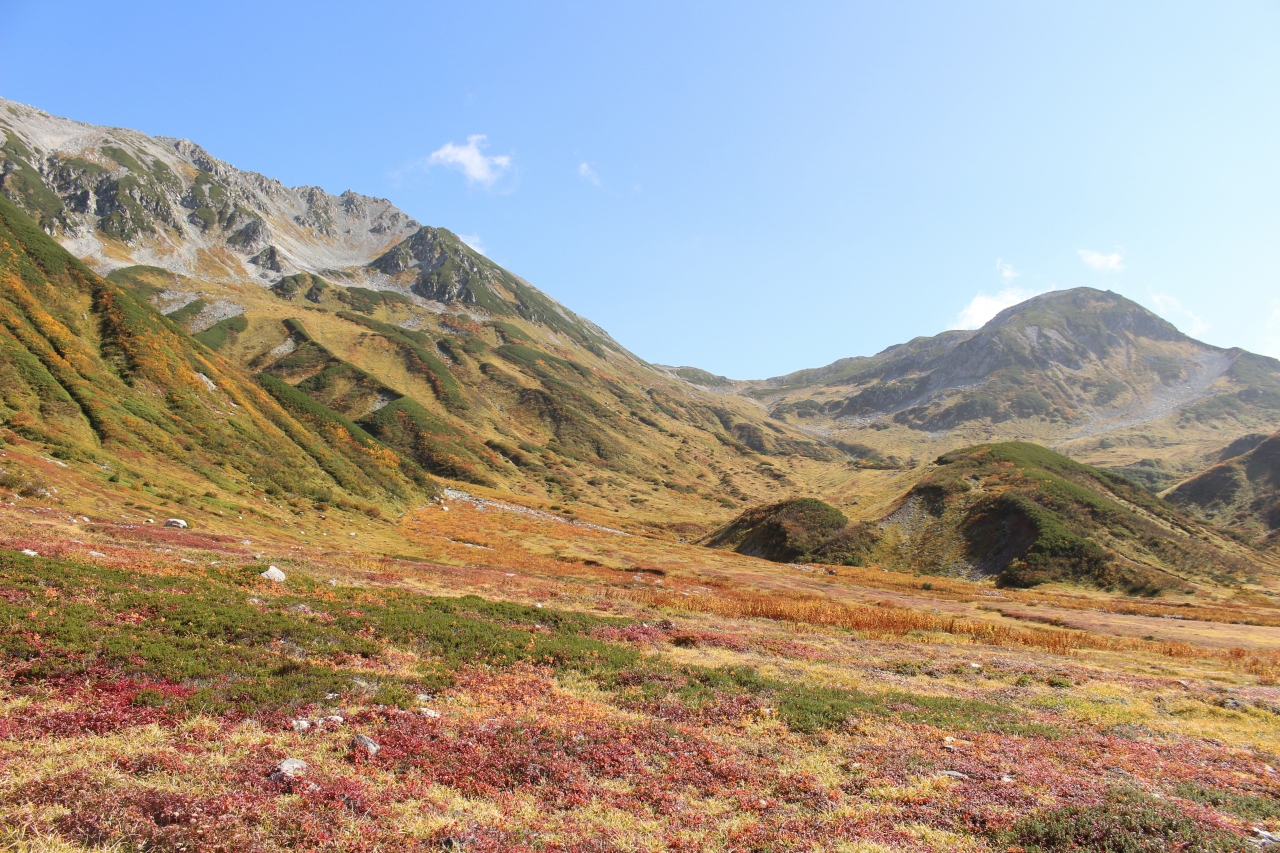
1086,370
1242,493
411,346
1016,512
95,375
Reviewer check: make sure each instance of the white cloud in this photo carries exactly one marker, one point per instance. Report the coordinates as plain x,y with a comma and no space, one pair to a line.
471,161
1007,272
474,241
1184,318
588,174
1113,262
983,307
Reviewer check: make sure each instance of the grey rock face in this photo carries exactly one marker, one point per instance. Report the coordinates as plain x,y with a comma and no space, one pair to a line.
287,770
366,745
168,200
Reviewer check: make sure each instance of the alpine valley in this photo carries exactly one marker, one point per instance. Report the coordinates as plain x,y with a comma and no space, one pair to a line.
532,592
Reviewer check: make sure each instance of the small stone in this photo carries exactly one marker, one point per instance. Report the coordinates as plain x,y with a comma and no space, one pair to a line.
96,554
299,608
30,553
427,712
954,774
288,769
273,574
975,666
365,744
151,521
176,522
245,542
1006,779
301,726
333,720
425,697
255,600
333,581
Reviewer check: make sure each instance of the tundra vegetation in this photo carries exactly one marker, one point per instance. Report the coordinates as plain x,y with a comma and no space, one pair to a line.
404,555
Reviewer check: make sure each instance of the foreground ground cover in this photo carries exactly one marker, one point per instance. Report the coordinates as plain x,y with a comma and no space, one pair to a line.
153,682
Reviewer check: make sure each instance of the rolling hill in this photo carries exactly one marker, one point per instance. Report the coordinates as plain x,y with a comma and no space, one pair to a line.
1015,512
1242,493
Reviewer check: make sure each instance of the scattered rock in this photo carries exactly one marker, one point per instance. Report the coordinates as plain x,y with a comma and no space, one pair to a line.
288,770
273,574
333,720
1006,779
299,608
255,600
176,522
301,726
427,712
96,554
30,553
954,774
365,744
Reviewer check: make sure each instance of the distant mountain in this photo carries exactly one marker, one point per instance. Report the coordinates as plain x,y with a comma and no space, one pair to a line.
1242,493
1082,368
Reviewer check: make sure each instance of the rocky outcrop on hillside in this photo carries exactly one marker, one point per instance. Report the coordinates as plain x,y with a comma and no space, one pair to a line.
115,196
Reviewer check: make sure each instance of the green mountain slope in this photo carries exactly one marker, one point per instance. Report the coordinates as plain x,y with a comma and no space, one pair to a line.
1017,512
1242,493
97,374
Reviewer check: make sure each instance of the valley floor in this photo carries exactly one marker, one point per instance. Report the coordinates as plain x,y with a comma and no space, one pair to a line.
534,682
632,693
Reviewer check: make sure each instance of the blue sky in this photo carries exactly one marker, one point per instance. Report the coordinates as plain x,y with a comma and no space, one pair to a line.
749,188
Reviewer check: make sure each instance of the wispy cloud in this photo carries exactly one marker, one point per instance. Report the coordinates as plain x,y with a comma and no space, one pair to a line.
1101,261
470,160
983,306
1007,272
588,174
1172,309
474,241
